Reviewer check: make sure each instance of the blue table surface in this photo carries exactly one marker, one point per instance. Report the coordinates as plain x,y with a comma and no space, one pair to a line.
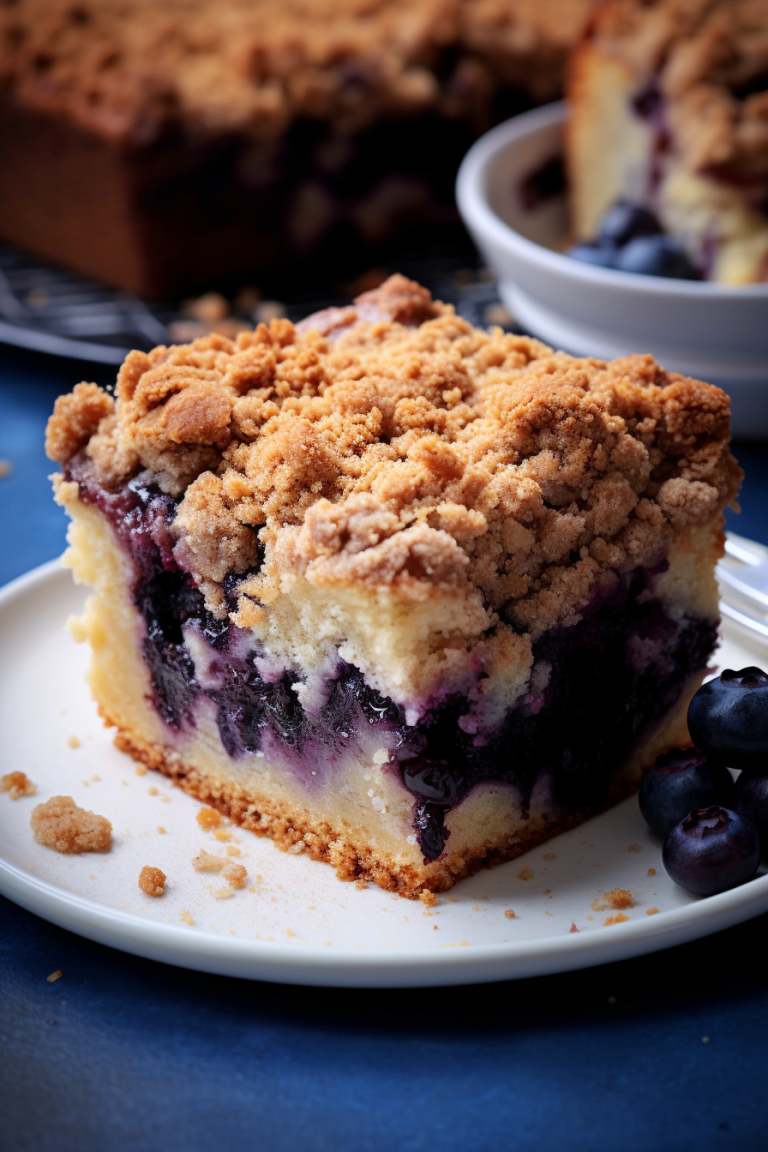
662,1052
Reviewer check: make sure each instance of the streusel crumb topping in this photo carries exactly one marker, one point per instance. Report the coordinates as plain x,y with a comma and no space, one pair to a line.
411,454
60,824
711,58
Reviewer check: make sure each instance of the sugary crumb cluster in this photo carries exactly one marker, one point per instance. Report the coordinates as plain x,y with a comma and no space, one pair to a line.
391,445
60,824
711,57
17,784
152,881
130,69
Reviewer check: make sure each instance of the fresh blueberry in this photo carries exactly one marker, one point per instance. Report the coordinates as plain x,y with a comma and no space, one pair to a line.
603,255
751,799
624,221
433,781
728,718
679,781
711,850
656,256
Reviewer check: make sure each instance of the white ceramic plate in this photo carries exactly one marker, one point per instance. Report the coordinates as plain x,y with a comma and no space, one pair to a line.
295,922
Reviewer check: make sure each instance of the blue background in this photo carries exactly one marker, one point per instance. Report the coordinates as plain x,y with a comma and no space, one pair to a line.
122,1053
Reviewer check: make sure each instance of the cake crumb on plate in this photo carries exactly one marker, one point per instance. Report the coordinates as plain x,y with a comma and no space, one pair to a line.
525,873
152,881
17,784
428,898
619,918
651,871
208,818
54,976
222,893
235,875
186,916
616,898
651,911
510,914
206,862
74,741
60,824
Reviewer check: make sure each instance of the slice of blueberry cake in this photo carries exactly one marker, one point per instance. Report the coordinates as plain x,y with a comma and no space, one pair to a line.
395,591
669,111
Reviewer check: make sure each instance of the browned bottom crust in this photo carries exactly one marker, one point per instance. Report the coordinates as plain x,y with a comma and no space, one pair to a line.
352,861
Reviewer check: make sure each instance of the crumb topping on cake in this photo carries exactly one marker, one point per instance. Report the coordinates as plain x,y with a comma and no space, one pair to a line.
711,60
132,70
60,824
409,457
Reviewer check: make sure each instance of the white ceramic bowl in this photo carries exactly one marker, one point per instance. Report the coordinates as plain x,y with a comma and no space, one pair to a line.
711,331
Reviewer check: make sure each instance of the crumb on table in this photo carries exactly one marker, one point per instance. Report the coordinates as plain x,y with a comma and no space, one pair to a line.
620,918
233,850
141,769
206,862
510,914
651,911
573,927
651,871
60,824
235,875
74,741
224,836
428,899
17,784
152,881
186,916
525,873
208,818
222,893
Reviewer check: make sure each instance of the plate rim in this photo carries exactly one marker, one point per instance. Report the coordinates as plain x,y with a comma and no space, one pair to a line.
343,966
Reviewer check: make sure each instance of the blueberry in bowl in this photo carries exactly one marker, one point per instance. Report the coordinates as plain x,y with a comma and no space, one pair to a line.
625,221
728,718
656,256
711,850
680,780
751,799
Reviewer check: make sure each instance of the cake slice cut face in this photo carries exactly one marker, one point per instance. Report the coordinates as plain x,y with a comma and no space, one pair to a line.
669,110
400,593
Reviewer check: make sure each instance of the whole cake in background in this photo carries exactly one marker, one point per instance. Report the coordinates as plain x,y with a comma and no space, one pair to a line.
163,147
395,591
669,112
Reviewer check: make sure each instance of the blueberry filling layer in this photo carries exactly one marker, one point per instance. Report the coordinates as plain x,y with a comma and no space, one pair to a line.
607,680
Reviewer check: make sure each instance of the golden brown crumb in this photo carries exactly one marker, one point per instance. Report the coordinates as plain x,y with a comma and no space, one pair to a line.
235,875
152,881
525,873
616,898
186,917
510,914
74,741
17,784
141,769
160,828
153,791
60,824
222,893
222,835
651,871
428,899
232,850
205,862
208,818
651,911
619,918
54,976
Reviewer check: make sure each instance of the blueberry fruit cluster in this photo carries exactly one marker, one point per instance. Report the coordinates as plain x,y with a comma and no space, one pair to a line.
631,239
715,831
